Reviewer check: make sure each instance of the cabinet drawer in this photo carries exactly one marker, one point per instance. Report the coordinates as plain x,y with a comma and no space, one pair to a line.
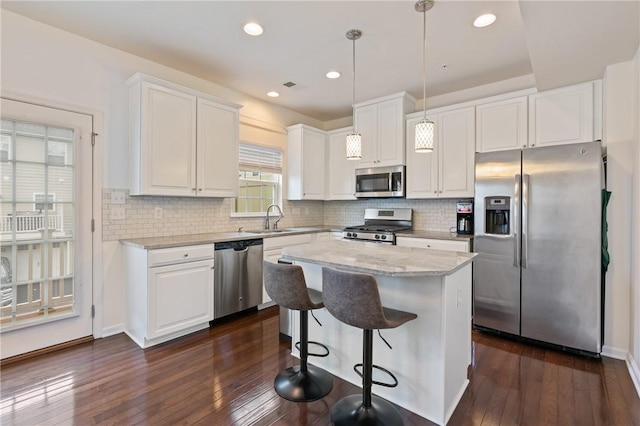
175,255
436,244
289,240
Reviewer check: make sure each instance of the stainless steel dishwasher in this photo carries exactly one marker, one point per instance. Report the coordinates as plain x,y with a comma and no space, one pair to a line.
238,276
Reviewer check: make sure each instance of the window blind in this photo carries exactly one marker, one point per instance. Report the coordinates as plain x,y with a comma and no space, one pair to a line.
260,158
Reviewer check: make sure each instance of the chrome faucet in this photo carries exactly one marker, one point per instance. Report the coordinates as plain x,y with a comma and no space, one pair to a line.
275,224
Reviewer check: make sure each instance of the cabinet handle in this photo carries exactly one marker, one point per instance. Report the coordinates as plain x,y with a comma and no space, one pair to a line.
533,144
186,255
199,189
193,189
435,192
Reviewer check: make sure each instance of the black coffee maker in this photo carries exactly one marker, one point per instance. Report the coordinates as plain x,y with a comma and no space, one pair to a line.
464,217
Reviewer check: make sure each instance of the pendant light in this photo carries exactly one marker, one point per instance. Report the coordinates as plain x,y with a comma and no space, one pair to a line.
425,129
354,139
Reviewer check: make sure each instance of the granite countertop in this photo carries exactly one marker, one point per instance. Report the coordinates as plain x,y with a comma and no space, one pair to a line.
152,243
379,259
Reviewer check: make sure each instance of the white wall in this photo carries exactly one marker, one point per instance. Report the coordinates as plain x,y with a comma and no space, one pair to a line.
634,358
618,138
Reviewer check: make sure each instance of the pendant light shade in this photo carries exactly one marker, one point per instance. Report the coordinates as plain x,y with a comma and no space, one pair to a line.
425,129
354,146
354,139
424,135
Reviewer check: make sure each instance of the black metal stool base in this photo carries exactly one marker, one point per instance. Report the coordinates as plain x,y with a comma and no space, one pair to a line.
303,386
350,411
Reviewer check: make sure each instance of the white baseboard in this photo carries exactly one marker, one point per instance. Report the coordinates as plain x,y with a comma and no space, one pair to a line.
634,371
113,330
615,353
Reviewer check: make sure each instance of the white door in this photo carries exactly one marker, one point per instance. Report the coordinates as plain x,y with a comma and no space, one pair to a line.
45,227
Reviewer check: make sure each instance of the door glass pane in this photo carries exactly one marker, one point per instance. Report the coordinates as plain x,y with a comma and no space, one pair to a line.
36,223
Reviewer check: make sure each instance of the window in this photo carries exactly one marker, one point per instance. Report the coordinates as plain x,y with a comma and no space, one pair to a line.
42,205
5,146
260,177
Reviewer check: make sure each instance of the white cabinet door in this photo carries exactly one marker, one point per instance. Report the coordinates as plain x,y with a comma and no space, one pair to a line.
562,116
422,167
448,171
433,243
366,123
456,153
501,125
180,296
306,152
217,150
164,141
340,171
391,133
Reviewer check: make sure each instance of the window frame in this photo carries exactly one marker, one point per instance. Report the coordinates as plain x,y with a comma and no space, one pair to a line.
278,186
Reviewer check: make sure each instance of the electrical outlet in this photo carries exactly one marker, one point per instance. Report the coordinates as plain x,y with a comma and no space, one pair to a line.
459,298
118,213
117,197
157,213
441,213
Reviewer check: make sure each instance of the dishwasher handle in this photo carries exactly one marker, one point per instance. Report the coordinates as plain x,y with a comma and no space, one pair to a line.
241,245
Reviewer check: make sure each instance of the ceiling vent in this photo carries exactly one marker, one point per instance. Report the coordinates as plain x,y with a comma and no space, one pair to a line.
289,84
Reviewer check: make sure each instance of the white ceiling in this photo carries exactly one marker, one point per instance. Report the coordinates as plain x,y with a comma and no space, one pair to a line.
559,42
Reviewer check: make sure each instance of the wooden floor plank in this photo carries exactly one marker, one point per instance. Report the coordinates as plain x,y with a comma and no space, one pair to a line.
224,376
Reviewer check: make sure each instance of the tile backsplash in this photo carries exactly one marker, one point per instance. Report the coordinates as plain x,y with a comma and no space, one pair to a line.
146,216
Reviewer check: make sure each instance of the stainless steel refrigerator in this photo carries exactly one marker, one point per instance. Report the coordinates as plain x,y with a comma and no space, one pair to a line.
537,231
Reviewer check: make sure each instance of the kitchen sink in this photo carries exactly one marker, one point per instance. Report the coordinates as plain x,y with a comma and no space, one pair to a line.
271,231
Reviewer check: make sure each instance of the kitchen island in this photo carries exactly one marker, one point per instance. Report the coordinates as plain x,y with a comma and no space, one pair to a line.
430,354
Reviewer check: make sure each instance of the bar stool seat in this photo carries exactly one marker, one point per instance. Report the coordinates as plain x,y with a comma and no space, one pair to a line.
353,299
286,286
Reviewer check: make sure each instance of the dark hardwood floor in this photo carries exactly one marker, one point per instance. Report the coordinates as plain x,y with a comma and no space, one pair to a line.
224,376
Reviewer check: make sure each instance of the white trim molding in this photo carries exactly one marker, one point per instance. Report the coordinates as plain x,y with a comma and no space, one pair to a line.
634,372
615,353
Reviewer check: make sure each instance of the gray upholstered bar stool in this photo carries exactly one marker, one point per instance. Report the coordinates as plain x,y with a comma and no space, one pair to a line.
353,298
287,287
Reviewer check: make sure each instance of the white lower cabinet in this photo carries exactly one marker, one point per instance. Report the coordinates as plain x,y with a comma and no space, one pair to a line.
326,236
432,243
169,292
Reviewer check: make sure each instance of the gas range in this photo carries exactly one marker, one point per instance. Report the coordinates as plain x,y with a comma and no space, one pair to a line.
380,225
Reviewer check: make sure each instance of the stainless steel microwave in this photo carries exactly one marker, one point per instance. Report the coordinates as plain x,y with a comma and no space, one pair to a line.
381,182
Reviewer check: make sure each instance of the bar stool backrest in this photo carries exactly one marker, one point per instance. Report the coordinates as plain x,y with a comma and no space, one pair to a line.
286,286
353,298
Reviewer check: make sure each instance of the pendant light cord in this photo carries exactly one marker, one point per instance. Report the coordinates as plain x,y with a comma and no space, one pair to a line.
424,62
353,105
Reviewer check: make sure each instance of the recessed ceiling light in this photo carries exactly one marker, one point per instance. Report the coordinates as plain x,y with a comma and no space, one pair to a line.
253,29
333,74
484,20
273,94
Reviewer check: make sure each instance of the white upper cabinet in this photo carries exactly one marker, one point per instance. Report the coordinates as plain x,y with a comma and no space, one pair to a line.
340,171
181,142
306,152
566,115
448,171
217,150
501,125
381,124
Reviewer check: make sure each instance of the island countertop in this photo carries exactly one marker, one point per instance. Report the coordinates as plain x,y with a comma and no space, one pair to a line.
379,259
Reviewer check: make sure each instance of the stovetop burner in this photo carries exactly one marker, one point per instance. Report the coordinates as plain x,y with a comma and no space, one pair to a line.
380,225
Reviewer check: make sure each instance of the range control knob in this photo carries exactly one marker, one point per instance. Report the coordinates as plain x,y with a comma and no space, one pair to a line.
384,237
354,235
348,234
377,237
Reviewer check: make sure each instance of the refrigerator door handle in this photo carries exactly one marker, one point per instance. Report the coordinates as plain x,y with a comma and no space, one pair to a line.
516,218
525,219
